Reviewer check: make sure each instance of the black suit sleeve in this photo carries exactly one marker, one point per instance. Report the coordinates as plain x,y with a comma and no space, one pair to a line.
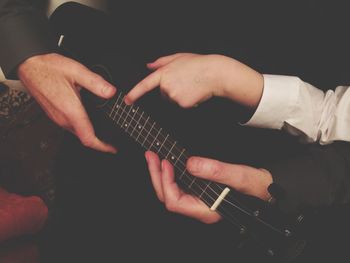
24,32
317,178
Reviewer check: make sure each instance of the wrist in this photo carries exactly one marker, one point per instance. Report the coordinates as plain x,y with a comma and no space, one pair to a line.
241,84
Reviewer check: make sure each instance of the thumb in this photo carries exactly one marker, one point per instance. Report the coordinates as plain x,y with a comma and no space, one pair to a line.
94,83
246,179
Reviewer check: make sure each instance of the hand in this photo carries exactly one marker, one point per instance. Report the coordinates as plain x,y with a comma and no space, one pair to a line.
189,79
55,81
245,179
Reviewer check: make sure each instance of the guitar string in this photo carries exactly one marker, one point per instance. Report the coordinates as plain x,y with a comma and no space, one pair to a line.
224,213
230,217
146,139
185,174
208,185
180,161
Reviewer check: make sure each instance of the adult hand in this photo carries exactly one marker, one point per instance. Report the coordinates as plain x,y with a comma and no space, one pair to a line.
55,81
189,79
243,178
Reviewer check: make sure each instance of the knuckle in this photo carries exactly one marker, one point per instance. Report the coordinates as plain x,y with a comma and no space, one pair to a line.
215,168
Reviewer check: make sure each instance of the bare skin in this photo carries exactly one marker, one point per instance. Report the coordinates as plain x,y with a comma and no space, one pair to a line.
243,178
189,79
55,81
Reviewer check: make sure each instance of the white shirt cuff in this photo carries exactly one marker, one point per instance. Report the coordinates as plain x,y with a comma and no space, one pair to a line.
279,96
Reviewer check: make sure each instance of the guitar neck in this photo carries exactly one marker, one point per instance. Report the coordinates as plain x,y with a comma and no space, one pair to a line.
227,202
146,132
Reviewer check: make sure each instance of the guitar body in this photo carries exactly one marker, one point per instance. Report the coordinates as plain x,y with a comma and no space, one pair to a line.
95,41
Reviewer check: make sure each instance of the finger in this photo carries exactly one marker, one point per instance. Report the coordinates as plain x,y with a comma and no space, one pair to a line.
85,132
150,82
162,61
155,171
245,179
217,171
184,204
94,83
171,190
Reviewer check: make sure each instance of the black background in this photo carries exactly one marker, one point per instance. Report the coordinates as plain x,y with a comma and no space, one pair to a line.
106,208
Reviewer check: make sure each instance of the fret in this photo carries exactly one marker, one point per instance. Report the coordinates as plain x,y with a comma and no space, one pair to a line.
137,124
210,196
132,119
205,188
197,189
166,157
114,105
117,107
182,174
143,126
121,114
190,185
155,138
177,159
148,134
125,124
163,143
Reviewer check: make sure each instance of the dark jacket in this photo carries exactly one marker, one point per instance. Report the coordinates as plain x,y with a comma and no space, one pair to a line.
24,33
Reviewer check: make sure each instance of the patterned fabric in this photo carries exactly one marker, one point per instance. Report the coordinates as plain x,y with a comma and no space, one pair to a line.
11,103
29,142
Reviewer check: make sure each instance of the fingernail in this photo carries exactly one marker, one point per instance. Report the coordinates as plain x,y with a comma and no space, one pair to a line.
146,156
127,101
163,164
108,91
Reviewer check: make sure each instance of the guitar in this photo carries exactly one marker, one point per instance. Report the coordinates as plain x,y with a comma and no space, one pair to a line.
274,232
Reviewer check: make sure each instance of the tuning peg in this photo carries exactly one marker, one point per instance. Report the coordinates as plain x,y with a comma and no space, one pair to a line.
300,218
270,252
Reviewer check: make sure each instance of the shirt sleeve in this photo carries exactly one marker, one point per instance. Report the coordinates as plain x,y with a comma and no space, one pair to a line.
24,32
302,110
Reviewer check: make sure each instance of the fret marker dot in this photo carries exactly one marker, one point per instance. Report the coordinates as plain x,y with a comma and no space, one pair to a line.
117,106
133,110
139,126
172,157
157,143
126,125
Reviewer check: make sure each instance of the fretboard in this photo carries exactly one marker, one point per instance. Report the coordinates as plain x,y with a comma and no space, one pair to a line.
146,132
